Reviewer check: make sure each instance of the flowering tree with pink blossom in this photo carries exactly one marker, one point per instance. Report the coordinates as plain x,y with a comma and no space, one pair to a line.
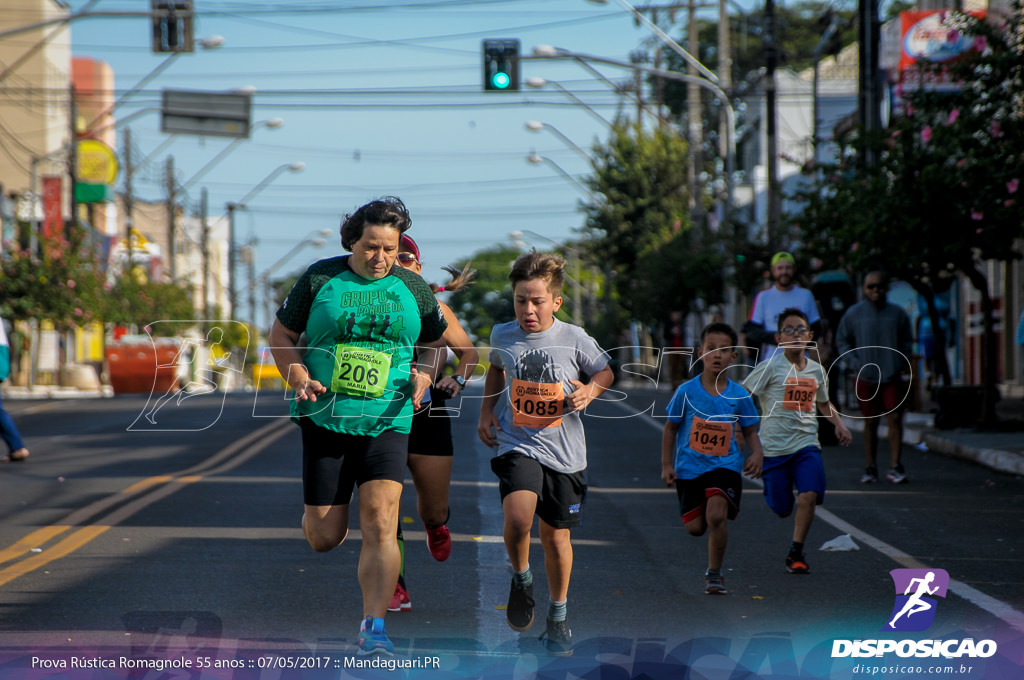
945,194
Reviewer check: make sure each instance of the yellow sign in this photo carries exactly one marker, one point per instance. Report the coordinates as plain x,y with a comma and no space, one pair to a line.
97,162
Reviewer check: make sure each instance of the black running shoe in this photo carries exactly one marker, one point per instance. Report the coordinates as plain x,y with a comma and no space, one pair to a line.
557,638
519,611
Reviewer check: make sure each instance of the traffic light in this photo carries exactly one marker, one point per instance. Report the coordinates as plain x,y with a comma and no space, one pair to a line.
172,25
501,65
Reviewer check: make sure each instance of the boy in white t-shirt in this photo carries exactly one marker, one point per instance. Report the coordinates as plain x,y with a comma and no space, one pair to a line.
789,386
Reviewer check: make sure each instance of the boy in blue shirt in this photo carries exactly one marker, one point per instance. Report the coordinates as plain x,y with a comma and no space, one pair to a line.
699,453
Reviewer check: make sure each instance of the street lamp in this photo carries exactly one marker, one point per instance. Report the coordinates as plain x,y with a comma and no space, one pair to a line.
315,239
209,43
537,126
297,166
537,83
549,52
536,159
270,124
665,38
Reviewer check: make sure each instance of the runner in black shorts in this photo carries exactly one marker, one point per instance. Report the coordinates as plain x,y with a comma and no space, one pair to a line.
430,441
560,495
694,493
362,318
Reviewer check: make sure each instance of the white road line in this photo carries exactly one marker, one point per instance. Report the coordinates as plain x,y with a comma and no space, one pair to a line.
997,608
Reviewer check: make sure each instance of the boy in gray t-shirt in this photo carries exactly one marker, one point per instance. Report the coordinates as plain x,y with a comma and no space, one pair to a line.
534,394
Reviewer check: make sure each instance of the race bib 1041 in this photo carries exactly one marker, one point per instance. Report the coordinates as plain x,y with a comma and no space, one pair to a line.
711,437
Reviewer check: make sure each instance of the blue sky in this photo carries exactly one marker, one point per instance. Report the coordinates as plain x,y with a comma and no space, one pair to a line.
380,97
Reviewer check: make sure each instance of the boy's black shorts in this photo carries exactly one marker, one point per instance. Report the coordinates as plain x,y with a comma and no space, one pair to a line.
431,433
694,493
334,463
560,495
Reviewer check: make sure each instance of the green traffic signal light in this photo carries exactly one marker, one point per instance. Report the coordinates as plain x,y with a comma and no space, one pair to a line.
501,65
500,80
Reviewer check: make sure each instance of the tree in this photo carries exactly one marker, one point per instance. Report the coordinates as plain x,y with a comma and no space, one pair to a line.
488,301
945,193
656,260
61,281
136,301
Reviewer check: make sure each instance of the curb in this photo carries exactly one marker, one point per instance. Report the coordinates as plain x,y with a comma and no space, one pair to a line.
924,437
1002,461
55,392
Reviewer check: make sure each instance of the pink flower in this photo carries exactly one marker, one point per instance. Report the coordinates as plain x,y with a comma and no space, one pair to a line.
995,129
1009,203
78,311
1012,186
953,115
981,43
71,282
961,163
926,134
977,215
910,109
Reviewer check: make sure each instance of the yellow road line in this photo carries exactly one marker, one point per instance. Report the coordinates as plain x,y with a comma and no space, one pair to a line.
67,546
33,540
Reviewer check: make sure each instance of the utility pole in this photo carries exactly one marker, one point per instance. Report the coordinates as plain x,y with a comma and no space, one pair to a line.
695,114
251,261
72,160
171,218
771,58
204,241
129,198
869,86
231,259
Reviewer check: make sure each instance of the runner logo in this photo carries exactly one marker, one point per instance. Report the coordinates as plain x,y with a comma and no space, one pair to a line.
914,608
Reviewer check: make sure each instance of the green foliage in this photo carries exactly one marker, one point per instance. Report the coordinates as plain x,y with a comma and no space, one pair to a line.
488,301
62,282
941,191
951,164
642,231
643,177
136,301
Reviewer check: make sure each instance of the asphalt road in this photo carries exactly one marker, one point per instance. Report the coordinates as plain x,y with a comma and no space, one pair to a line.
184,535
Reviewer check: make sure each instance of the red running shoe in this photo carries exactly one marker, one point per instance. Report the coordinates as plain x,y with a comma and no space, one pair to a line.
400,601
439,541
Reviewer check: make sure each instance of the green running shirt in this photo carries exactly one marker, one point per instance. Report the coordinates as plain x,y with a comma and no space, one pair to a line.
360,335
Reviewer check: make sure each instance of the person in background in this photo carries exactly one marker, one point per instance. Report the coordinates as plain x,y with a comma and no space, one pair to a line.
16,450
759,330
880,333
430,440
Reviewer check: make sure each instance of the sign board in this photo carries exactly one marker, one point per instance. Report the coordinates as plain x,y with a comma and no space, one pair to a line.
96,170
918,37
96,163
193,112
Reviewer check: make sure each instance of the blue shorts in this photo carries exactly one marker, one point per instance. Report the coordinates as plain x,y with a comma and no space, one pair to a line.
780,474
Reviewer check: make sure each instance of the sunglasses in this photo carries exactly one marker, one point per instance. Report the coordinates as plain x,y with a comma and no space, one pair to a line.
407,258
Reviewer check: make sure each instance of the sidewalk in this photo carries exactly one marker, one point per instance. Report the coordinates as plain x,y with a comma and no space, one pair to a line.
1002,451
16,393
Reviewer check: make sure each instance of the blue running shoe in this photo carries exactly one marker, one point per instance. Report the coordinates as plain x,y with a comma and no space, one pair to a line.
373,639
